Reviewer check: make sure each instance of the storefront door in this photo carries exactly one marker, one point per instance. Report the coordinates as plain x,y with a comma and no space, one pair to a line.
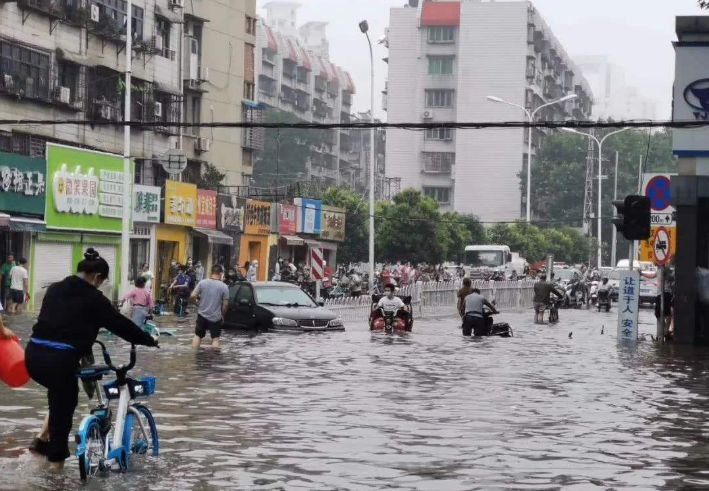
52,263
167,251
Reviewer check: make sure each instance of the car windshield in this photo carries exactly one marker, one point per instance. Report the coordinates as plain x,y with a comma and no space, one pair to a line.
484,259
282,295
615,275
564,274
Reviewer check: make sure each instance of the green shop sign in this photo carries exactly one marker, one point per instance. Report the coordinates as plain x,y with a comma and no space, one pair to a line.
22,184
85,189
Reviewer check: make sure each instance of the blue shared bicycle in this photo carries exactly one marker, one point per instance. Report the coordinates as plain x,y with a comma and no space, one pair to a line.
104,445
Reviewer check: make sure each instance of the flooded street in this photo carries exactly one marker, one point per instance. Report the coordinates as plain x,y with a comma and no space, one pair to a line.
429,411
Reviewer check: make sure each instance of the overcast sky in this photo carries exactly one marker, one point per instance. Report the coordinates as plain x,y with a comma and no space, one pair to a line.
635,34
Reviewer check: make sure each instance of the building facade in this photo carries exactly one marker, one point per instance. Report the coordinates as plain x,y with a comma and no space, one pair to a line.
613,98
445,59
296,76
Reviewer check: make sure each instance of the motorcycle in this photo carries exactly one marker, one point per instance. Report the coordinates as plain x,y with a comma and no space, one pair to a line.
604,300
502,329
575,295
389,322
553,307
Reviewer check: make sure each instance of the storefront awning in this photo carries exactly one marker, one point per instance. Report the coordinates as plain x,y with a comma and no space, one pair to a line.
215,236
293,240
27,225
313,243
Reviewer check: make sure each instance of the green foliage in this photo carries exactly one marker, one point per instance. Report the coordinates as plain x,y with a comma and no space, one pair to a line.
284,159
210,177
355,248
703,4
410,228
535,243
559,173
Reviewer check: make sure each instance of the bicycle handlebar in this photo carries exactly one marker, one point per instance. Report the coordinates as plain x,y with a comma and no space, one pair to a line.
122,368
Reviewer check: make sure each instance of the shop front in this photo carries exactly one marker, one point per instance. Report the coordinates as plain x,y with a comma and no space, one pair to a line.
290,246
173,236
332,233
231,211
254,241
22,200
84,208
308,226
210,246
143,240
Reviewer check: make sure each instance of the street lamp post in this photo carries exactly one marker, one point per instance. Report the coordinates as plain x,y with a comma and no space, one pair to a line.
364,27
530,117
600,181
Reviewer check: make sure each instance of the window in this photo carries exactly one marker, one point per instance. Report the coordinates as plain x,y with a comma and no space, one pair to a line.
72,76
171,105
439,134
441,34
438,162
439,98
442,195
163,30
440,65
192,109
250,25
113,16
249,91
24,71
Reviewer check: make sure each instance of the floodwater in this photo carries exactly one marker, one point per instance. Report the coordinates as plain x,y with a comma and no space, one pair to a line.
428,411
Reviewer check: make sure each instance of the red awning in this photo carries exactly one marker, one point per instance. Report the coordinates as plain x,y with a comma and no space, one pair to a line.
324,72
272,43
440,14
292,52
306,59
333,73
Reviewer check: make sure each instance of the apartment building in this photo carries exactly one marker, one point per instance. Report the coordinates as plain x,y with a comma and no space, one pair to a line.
297,76
445,58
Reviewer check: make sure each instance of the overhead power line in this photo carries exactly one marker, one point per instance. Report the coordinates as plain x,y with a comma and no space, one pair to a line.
364,126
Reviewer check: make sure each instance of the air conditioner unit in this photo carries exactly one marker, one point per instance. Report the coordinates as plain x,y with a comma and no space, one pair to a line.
9,82
427,115
202,144
105,112
95,13
177,3
62,94
158,109
204,74
156,43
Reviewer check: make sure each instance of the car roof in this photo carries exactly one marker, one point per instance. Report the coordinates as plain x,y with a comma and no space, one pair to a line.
281,284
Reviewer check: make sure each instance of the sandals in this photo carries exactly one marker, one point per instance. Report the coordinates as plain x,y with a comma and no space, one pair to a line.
39,446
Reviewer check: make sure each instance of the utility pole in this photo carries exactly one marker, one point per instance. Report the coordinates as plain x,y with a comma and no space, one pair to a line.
127,178
588,192
615,215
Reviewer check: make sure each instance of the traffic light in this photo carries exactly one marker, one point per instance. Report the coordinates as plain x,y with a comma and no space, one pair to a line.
633,217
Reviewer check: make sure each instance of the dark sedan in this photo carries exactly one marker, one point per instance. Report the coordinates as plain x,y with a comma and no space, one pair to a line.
276,306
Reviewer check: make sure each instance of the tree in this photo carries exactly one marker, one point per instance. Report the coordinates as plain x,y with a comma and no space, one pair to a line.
410,228
535,243
703,4
454,236
210,177
355,247
559,174
286,152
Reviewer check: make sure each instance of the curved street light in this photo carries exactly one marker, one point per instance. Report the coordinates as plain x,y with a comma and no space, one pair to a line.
530,117
600,180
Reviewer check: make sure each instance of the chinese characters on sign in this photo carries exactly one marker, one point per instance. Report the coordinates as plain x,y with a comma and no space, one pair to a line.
75,192
180,203
13,180
231,213
206,209
333,223
309,215
258,217
628,305
146,204
286,219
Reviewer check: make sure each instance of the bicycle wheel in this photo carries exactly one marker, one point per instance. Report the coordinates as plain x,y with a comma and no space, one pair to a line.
90,461
133,438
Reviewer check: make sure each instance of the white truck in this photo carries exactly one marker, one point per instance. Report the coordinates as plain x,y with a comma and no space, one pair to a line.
482,261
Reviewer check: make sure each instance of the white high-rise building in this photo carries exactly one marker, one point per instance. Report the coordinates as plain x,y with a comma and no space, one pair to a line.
613,98
445,58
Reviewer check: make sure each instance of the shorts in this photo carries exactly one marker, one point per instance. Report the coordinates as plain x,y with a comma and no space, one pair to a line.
17,296
204,325
540,307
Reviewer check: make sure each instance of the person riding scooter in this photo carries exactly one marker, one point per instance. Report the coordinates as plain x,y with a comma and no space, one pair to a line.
393,308
604,295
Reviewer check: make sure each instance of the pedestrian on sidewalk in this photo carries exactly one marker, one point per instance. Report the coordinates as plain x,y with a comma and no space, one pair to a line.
19,287
142,301
213,295
5,278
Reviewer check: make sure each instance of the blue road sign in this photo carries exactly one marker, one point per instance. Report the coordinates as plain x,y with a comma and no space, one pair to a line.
658,190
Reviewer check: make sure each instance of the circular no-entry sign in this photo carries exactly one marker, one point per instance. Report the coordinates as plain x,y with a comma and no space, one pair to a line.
661,246
658,190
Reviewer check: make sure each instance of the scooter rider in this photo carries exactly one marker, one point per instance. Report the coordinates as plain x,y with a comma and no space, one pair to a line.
72,313
389,302
474,320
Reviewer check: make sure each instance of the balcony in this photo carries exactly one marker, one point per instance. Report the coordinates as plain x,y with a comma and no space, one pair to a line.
438,163
52,8
346,98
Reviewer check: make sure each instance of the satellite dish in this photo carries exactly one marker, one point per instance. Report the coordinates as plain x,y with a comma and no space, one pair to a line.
174,161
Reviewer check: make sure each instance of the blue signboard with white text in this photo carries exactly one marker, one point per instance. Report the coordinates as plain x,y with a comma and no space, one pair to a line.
309,215
628,305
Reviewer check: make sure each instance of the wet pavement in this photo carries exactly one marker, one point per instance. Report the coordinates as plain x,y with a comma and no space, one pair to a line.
429,411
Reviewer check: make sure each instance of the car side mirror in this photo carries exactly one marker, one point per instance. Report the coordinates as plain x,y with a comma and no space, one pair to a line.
321,303
244,303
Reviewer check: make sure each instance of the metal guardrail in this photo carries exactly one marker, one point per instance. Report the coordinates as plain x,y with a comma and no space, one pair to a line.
439,299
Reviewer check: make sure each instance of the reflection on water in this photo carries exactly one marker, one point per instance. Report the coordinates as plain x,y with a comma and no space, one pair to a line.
427,410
